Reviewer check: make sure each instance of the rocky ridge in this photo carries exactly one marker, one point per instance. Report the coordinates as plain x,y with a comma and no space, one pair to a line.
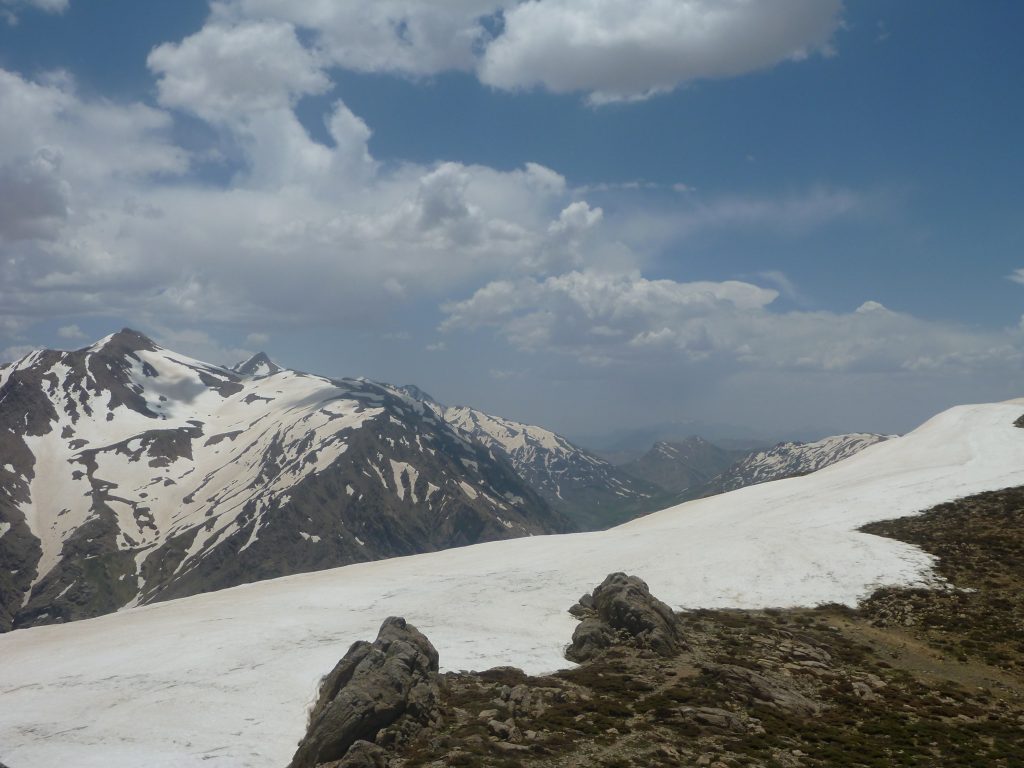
130,473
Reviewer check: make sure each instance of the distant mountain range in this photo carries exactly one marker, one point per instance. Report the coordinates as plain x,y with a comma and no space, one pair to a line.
131,474
586,488
792,459
682,466
695,468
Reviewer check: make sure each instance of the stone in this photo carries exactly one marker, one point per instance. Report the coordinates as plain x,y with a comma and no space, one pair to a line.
371,688
623,609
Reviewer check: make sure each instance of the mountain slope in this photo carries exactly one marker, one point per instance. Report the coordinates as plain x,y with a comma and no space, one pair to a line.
679,466
791,459
130,473
587,489
230,674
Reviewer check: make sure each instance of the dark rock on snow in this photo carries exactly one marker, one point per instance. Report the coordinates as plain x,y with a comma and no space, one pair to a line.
388,684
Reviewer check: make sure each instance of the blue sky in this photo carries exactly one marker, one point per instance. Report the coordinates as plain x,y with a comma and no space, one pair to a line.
590,214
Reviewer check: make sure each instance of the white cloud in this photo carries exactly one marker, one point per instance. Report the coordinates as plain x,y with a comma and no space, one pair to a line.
33,197
629,49
1017,276
607,318
408,37
222,72
610,49
111,142
70,332
93,225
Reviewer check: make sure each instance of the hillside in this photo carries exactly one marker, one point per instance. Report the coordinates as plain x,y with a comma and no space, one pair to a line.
231,673
130,473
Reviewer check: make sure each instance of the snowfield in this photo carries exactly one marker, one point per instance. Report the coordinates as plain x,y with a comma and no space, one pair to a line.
224,679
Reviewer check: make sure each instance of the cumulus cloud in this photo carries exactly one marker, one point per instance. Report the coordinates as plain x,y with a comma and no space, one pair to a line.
33,197
408,37
630,49
225,71
1017,276
608,318
612,50
102,215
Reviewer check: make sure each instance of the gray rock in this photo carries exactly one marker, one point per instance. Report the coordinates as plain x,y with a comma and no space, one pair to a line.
363,754
761,688
622,609
371,688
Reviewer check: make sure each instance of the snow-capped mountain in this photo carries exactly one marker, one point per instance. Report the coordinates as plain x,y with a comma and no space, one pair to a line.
228,677
680,466
586,488
130,473
792,459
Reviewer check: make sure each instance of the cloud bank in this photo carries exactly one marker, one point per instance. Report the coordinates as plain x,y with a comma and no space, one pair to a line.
105,212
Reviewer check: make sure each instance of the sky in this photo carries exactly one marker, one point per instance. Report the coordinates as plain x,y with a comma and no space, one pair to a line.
597,215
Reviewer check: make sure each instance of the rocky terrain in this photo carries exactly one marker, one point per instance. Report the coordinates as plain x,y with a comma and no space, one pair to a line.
130,474
912,677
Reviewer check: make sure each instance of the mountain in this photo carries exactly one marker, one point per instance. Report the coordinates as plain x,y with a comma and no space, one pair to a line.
257,365
130,474
585,488
230,675
680,466
791,459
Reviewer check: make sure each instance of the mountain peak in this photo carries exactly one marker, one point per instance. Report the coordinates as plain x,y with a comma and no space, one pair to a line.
126,340
257,365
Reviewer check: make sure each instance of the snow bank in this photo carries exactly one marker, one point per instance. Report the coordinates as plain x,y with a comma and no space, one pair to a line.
224,679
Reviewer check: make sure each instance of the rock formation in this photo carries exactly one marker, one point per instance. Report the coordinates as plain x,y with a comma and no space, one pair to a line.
389,684
622,610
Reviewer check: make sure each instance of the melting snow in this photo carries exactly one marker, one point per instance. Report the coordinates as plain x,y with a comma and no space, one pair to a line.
167,684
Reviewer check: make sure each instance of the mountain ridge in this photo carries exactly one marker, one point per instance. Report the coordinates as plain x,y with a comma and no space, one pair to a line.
130,473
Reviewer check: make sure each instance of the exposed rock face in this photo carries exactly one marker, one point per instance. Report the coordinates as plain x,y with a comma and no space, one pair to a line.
622,610
131,474
389,684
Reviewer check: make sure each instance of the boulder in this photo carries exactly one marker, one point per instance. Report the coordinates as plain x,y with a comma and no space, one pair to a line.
373,687
623,610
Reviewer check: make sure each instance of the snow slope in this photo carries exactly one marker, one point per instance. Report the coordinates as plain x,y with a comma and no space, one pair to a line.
224,679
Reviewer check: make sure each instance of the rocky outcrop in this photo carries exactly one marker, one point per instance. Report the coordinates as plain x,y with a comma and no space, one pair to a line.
383,691
622,610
